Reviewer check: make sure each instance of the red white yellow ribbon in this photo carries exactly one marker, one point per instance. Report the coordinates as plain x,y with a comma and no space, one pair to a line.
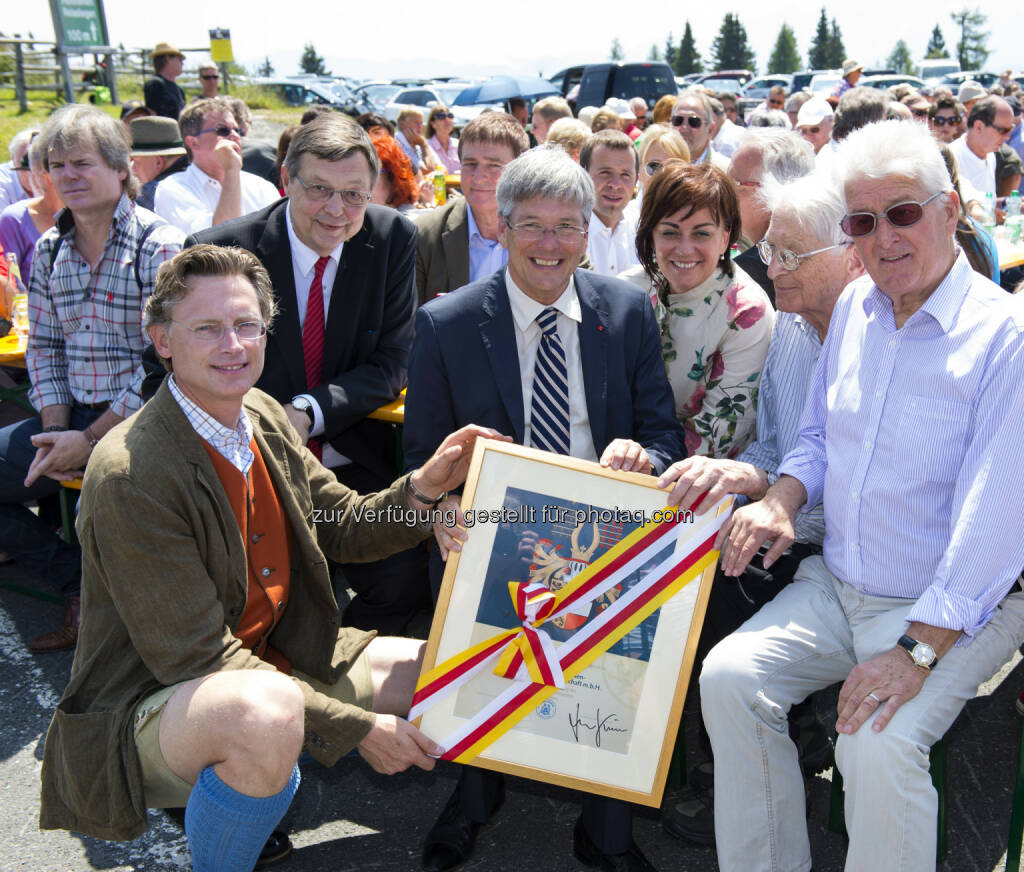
537,670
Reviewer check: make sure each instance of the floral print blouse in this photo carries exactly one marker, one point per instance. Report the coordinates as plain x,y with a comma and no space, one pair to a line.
714,340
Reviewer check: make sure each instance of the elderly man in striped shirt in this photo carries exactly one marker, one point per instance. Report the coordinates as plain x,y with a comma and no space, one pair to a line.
91,276
911,439
810,260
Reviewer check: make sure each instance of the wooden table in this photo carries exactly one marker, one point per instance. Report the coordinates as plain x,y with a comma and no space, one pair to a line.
1010,254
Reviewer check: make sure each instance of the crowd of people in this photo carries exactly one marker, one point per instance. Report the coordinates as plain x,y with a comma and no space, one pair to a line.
803,309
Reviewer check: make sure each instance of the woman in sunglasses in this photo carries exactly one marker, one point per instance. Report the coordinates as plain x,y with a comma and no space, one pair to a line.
440,124
716,322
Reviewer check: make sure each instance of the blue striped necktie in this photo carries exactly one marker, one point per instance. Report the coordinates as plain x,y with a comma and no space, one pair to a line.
549,412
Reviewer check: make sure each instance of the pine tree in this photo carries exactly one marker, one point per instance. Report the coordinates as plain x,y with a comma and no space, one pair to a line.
971,49
836,50
688,58
616,52
655,53
900,58
730,49
936,47
266,69
670,50
818,54
785,58
311,62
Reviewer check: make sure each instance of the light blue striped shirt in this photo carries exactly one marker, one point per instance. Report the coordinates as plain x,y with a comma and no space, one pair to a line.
913,437
785,380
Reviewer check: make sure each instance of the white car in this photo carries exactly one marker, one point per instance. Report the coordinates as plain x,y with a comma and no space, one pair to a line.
425,97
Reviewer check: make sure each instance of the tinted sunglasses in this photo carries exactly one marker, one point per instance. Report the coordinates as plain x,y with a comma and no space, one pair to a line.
214,76
442,115
693,120
901,215
943,120
1003,131
223,132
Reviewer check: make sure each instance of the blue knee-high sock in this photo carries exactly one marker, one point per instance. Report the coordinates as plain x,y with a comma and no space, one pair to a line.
226,829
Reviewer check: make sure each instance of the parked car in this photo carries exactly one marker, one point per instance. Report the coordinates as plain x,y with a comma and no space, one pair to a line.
802,81
883,82
933,69
824,84
377,94
307,90
598,82
708,79
427,96
955,80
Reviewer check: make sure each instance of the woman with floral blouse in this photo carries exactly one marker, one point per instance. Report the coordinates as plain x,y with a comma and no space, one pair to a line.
716,322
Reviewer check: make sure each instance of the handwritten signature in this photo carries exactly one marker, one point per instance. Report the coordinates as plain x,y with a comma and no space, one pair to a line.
598,725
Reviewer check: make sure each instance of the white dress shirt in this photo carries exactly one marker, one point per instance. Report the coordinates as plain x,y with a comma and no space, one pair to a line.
528,335
612,251
188,199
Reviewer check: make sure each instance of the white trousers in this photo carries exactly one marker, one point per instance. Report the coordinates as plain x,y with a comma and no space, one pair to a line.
810,636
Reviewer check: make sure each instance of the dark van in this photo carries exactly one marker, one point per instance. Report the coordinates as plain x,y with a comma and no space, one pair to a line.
598,82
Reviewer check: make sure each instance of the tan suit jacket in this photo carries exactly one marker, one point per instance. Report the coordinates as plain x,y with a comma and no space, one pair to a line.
164,582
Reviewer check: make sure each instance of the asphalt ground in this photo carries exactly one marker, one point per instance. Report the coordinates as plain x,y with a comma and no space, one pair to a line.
350,818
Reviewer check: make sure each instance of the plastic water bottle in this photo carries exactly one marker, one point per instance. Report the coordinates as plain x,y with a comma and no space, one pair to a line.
988,217
1013,217
14,271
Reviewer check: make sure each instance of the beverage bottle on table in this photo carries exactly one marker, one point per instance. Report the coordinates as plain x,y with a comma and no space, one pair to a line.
988,217
440,188
1013,217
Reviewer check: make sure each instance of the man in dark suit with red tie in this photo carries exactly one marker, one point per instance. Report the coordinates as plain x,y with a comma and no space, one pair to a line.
344,278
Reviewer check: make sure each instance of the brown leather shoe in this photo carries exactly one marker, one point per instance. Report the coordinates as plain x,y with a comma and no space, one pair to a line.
66,637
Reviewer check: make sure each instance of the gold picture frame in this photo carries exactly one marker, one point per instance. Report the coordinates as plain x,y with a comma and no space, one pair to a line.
539,517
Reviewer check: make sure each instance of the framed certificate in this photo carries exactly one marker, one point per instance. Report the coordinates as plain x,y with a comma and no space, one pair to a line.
598,707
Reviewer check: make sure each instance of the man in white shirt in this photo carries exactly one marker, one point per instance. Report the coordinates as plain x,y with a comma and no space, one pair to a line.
989,125
725,134
612,163
214,188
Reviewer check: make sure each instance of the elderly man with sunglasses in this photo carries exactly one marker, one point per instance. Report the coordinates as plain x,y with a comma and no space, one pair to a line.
910,439
810,261
214,188
692,118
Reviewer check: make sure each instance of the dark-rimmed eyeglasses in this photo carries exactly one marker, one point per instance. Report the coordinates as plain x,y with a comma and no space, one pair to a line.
323,193
246,330
531,231
901,215
223,132
789,259
943,120
695,121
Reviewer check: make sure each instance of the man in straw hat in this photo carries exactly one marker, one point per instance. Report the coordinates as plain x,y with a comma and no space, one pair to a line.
163,96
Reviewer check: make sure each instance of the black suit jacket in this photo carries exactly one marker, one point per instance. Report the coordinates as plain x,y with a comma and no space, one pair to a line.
464,369
369,325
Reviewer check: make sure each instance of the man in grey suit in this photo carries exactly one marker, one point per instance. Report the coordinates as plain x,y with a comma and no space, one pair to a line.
459,243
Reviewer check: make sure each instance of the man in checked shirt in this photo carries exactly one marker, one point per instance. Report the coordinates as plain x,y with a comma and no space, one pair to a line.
90,280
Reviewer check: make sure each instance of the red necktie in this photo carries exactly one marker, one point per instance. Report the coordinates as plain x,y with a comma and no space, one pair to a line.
313,338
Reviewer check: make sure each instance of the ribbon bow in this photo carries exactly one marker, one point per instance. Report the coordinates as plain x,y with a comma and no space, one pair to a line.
531,652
